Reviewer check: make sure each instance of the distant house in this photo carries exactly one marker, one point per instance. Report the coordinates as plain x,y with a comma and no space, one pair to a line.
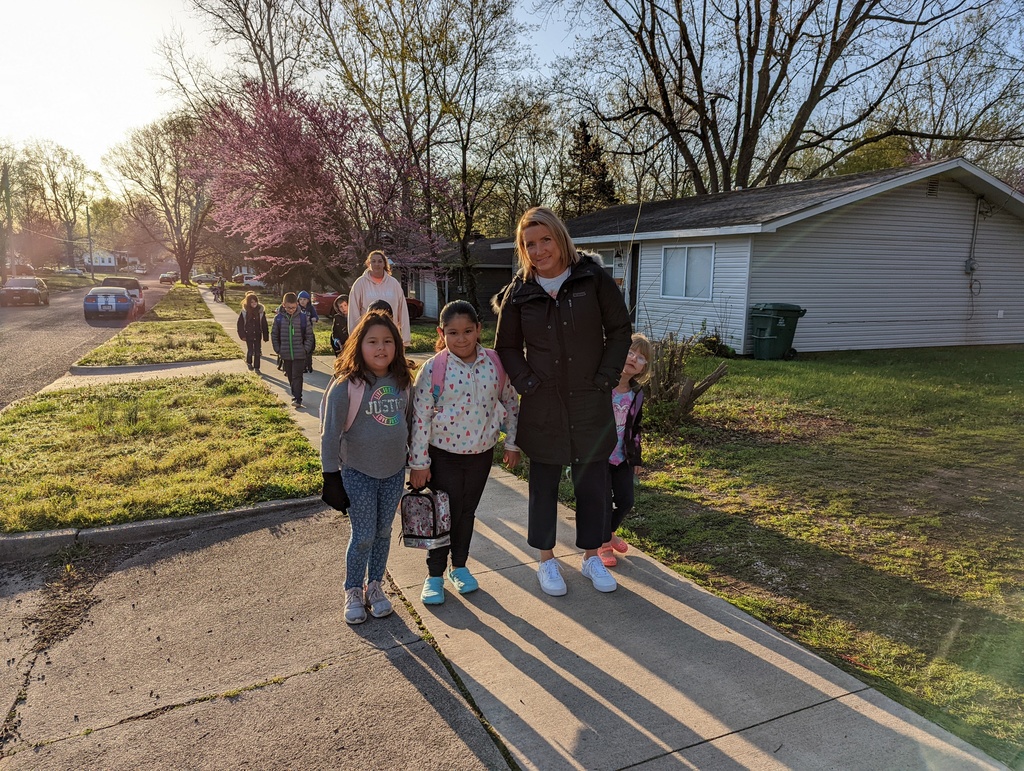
492,269
921,256
106,260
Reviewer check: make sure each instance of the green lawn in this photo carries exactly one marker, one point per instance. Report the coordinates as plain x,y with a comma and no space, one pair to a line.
868,504
142,450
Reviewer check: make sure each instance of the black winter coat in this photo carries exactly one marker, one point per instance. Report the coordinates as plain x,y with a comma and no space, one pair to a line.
575,348
252,324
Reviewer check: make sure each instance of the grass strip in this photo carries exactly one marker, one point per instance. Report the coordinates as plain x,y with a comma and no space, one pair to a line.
161,342
143,450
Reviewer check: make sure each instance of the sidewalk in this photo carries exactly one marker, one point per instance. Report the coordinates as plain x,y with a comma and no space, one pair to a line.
225,648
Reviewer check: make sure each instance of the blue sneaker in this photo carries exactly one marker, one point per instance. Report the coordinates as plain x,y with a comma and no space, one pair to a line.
463,580
433,591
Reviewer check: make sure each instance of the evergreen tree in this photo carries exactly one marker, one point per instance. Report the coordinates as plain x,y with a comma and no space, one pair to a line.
586,182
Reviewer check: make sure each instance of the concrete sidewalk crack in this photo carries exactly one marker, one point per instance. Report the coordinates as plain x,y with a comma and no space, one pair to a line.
768,721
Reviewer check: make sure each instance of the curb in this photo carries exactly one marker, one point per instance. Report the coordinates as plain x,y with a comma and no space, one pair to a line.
127,369
45,543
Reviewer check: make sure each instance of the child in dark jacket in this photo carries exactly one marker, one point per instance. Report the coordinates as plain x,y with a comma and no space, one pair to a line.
626,458
306,306
252,327
339,330
292,337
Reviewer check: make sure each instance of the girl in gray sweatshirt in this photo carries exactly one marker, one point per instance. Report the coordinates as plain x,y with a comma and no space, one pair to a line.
366,455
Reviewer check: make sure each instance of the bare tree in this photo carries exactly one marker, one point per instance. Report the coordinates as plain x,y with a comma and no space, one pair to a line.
747,91
59,179
159,190
269,41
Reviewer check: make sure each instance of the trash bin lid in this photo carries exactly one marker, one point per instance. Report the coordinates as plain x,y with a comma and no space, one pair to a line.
777,307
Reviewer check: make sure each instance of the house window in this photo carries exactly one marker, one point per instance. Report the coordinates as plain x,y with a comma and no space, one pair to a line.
686,271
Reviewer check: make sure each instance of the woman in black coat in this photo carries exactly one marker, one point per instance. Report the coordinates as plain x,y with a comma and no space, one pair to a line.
568,314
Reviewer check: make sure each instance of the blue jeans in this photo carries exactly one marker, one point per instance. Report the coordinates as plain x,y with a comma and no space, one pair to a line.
370,513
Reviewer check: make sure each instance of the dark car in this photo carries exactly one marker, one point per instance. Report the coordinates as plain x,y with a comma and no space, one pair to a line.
25,289
132,285
108,301
168,278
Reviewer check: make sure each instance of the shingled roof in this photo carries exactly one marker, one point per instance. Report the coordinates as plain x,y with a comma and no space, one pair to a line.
756,209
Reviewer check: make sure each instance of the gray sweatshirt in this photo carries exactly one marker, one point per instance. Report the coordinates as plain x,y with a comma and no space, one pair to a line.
377,442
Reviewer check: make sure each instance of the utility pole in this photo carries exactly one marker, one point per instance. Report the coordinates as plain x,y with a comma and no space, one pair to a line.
7,230
88,234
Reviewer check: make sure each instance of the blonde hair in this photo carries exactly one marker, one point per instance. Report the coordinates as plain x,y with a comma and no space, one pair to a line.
387,265
644,348
541,215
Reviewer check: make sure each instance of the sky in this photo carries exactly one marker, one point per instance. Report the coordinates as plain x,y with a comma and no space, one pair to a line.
85,73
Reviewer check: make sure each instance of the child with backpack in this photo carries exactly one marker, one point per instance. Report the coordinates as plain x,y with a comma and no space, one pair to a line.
626,458
339,329
364,433
293,340
306,306
252,327
461,402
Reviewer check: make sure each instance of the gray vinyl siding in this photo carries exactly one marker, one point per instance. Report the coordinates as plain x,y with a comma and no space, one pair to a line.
888,272
658,316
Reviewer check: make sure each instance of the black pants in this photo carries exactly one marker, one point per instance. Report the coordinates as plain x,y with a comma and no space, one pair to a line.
622,494
293,368
253,352
463,477
593,512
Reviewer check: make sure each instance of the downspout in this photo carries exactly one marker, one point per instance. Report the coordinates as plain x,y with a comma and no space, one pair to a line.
971,264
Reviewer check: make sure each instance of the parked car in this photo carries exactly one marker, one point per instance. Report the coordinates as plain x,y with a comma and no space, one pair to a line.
254,282
72,272
141,270
134,289
25,289
168,278
324,302
108,301
23,270
205,278
238,278
415,308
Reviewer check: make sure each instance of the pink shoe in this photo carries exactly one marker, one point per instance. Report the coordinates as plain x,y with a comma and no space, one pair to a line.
618,544
607,556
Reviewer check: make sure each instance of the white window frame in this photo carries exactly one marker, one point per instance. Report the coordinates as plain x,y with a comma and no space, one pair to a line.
711,277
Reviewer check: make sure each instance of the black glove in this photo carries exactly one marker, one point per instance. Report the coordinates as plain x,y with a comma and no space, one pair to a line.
334,494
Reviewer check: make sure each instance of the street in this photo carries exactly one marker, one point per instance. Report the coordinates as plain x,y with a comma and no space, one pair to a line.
39,343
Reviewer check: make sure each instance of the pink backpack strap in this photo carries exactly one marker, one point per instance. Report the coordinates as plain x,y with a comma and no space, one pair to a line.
496,361
440,366
355,400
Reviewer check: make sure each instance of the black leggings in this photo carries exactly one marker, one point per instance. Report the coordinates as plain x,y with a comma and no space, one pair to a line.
593,512
463,477
622,494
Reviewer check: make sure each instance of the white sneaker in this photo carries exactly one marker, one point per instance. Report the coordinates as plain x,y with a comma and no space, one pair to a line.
595,570
355,613
551,581
376,601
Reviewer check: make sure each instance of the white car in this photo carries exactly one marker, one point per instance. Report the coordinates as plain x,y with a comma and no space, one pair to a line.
253,282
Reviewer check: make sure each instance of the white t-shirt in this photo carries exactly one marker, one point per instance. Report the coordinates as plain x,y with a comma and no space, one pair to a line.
552,285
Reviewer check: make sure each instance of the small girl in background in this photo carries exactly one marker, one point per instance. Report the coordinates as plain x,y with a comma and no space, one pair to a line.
454,433
306,306
372,452
626,459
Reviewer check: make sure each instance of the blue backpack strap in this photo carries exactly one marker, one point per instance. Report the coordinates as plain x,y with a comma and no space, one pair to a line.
438,368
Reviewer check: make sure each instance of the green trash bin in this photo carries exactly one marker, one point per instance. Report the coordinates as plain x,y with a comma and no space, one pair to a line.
774,325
